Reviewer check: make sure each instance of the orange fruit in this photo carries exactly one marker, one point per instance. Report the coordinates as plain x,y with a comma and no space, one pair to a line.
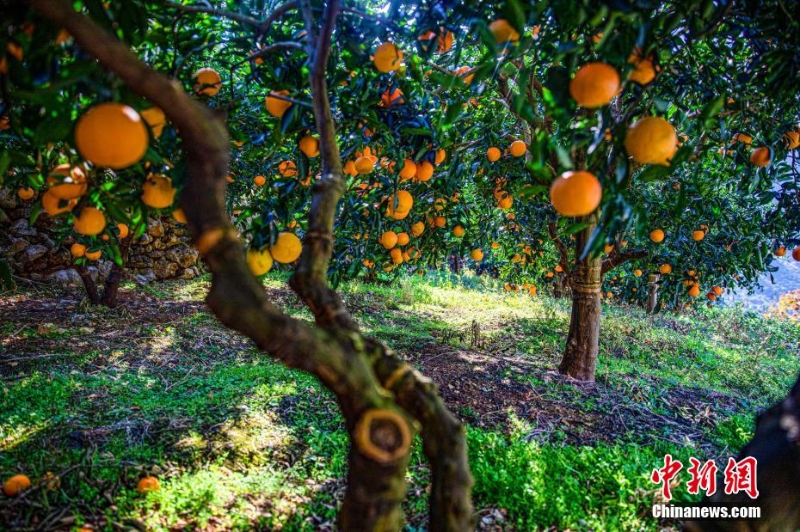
760,157
458,231
259,262
637,273
576,193
70,183
260,180
493,154
651,140
744,138
156,119
287,169
77,250
148,484
277,107
780,252
15,51
594,85
711,296
403,239
123,231
287,248
54,206
388,239
608,248
207,82
16,485
643,70
392,97
112,135
717,290
157,192
476,254
462,72
94,255
90,221
439,157
792,140
5,123
506,202
503,31
698,235
180,216
397,255
796,254
409,169
365,165
518,148
495,245
657,235
444,40
417,228
694,291
399,205
26,193
440,221
424,171
388,57
665,269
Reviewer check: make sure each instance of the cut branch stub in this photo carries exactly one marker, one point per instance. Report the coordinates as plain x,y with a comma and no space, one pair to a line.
382,435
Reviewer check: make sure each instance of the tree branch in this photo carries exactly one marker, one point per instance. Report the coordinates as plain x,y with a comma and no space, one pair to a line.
616,259
242,19
563,253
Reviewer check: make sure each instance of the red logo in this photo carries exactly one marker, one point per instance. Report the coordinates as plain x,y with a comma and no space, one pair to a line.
738,476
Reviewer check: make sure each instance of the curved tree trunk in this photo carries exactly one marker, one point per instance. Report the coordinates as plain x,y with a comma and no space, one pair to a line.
580,356
652,293
377,393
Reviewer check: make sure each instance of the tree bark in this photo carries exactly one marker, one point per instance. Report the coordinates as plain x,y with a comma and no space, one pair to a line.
88,284
580,356
652,293
111,288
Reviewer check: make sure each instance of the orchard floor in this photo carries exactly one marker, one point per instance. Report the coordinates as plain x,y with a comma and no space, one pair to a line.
101,397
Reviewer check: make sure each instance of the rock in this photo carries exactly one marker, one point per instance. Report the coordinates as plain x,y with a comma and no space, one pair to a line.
33,252
155,228
145,239
65,278
22,228
164,269
146,277
104,268
17,245
183,255
159,244
8,198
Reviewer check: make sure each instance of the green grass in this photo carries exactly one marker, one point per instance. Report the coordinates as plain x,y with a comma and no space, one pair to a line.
241,443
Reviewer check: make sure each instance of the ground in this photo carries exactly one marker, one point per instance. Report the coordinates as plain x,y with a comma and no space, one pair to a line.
99,398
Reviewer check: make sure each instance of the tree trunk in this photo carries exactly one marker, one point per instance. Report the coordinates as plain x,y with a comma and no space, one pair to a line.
88,284
559,285
111,288
652,293
580,355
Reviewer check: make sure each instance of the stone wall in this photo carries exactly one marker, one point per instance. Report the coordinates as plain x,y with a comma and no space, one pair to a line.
37,253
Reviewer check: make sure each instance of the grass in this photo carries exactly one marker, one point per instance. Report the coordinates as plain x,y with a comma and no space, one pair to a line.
101,398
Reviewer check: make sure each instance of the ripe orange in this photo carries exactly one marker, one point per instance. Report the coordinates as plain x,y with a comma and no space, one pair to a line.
277,107
506,202
207,82
503,31
388,57
711,296
518,148
392,97
424,171
287,169
608,248
576,193
417,228
780,252
796,254
90,221
440,221
409,170
67,183
26,193
665,269
594,85
444,40
397,255
643,70
77,250
495,245
5,123
476,254
403,239
439,157
156,119
694,291
744,138
111,135
761,157
260,180
637,273
123,231
94,255
309,146
365,165
458,231
157,192
651,140
792,140
717,290
493,154
388,239
287,248
148,484
399,205
657,235
16,485
54,206
698,235
259,262
180,216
